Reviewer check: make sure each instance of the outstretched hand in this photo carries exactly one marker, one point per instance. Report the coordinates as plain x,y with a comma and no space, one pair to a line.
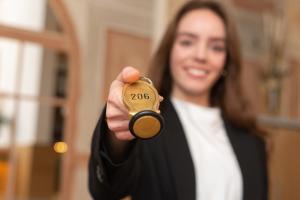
116,112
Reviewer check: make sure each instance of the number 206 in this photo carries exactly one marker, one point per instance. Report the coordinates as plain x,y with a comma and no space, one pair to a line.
139,96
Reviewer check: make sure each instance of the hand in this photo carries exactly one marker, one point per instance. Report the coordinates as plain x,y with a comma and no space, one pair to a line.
117,116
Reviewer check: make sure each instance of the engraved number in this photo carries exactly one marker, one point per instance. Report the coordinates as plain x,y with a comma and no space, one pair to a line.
139,96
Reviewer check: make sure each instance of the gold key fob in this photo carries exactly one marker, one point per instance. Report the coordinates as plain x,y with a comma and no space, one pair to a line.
142,102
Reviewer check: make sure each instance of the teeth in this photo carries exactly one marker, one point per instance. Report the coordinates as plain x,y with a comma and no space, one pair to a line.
197,72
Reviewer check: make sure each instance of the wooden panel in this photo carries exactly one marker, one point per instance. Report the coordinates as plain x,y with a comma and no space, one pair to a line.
293,87
23,172
285,165
36,173
3,177
252,85
43,180
125,49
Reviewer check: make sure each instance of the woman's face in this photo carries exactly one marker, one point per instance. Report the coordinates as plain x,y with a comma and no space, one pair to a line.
198,55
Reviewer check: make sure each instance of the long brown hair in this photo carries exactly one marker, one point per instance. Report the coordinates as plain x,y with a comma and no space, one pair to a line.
226,93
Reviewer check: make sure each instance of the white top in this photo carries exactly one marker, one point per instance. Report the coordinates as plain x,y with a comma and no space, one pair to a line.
218,175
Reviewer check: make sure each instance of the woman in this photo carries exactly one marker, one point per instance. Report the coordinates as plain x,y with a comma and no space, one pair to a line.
210,147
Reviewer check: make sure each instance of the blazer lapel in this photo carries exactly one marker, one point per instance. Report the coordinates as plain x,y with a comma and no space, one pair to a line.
178,153
243,144
181,164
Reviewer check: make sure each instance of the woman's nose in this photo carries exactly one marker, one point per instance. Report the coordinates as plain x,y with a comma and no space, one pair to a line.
200,52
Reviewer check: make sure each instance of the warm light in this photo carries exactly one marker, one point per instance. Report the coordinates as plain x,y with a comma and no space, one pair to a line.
60,147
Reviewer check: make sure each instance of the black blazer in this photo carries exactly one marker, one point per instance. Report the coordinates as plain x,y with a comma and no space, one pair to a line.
162,168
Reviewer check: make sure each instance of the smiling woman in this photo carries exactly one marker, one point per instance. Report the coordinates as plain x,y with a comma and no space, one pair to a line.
198,56
210,147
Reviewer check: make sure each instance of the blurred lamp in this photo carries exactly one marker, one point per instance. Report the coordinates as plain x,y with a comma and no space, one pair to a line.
60,147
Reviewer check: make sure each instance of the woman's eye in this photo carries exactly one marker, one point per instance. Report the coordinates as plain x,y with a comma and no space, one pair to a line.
185,43
218,48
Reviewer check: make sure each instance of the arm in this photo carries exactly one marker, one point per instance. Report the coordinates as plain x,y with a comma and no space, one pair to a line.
110,179
113,166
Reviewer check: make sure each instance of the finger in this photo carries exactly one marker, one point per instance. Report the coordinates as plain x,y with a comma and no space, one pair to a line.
115,97
124,135
161,98
129,75
118,125
115,105
114,113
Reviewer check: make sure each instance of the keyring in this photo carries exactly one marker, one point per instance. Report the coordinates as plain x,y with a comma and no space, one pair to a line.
142,101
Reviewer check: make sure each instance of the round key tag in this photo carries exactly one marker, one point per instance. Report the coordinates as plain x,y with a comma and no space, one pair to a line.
142,102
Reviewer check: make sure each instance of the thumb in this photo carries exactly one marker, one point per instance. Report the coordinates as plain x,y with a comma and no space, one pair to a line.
129,75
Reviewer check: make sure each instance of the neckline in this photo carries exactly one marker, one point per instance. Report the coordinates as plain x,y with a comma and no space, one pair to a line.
196,107
199,116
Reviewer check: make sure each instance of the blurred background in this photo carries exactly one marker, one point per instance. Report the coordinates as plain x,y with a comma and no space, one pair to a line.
58,57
